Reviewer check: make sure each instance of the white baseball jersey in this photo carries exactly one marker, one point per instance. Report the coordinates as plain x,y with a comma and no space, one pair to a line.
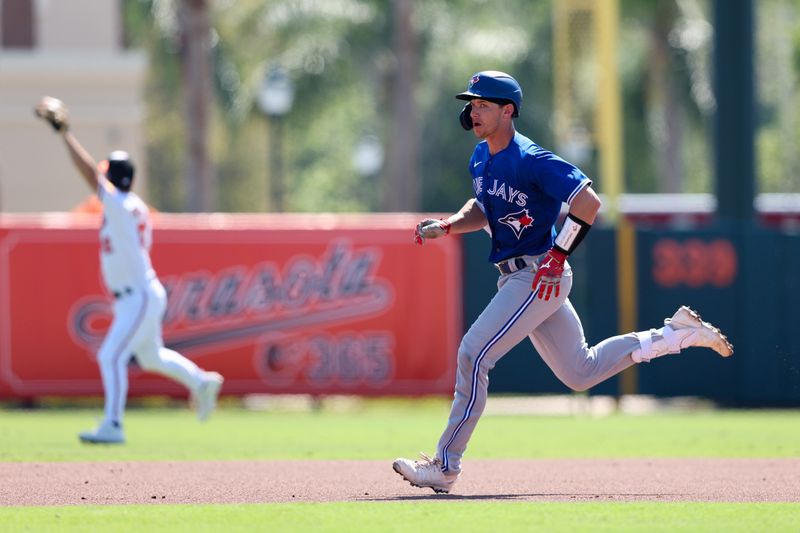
125,239
139,301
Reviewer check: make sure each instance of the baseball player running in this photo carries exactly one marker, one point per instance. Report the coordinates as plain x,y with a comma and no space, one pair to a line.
519,189
139,298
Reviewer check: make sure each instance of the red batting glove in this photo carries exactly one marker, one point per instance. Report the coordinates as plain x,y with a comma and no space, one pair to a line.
548,276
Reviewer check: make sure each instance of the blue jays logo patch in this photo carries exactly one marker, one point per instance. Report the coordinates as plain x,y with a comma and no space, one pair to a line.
473,81
517,221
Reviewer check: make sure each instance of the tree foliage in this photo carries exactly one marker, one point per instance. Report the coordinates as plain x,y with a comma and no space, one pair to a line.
340,56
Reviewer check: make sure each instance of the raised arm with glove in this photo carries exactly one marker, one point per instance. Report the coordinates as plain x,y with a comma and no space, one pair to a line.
53,111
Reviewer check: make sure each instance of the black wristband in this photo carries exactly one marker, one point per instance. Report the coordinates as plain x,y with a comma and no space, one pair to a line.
572,233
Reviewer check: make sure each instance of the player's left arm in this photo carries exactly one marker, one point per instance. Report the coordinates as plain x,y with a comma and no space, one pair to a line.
585,205
582,213
83,161
87,166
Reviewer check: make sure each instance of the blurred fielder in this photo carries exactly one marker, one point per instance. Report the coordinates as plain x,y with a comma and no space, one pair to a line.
139,298
519,189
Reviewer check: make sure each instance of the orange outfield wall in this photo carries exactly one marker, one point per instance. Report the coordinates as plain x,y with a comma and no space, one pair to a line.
320,304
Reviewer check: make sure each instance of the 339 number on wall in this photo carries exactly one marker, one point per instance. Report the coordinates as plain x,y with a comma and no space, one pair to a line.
694,263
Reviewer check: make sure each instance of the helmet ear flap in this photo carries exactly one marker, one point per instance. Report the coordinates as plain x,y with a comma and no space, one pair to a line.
465,118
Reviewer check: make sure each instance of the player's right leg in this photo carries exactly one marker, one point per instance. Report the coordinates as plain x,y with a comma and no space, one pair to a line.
560,342
204,386
153,356
508,318
683,330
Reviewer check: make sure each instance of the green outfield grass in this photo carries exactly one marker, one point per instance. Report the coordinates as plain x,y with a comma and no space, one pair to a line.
384,429
505,517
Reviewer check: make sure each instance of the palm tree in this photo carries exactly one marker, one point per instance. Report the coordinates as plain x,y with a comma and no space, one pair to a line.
402,192
195,58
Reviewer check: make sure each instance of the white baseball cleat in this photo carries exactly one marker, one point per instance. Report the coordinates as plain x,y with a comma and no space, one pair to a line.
207,393
425,472
705,334
106,433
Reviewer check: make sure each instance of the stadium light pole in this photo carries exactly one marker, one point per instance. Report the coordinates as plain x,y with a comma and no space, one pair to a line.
275,99
368,155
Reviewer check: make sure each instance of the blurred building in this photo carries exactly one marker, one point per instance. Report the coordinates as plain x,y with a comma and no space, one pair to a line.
73,50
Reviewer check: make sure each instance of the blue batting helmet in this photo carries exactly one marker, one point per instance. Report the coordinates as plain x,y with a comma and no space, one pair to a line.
494,86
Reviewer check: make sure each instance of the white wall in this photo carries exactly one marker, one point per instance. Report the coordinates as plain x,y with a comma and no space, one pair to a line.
79,60
78,24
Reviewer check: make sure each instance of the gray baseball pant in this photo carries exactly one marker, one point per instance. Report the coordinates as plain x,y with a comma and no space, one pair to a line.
554,328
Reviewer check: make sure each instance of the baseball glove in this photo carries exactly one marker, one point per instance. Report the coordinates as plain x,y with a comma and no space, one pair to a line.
53,111
430,228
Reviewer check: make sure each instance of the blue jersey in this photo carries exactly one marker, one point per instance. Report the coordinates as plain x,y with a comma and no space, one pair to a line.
520,190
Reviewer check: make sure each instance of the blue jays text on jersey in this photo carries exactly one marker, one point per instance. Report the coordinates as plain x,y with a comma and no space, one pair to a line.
520,189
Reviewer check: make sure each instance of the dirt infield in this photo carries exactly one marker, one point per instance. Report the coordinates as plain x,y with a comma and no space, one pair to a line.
731,480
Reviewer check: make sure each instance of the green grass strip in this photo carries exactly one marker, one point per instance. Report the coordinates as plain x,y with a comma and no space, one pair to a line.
461,516
384,430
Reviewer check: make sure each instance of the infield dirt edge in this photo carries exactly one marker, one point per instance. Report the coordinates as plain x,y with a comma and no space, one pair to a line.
233,482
